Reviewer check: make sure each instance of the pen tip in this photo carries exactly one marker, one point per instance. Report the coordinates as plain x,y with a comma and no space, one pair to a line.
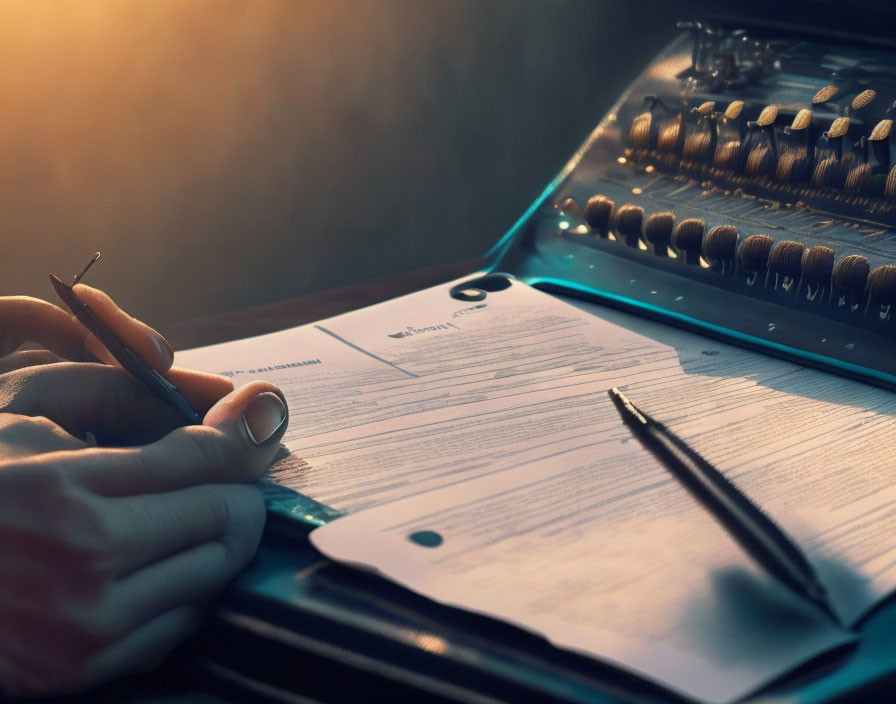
94,260
626,407
618,396
60,287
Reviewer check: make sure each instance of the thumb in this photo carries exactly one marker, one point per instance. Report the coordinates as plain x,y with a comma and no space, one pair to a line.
256,411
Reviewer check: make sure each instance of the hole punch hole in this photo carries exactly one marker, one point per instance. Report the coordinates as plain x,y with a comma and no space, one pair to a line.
478,289
426,538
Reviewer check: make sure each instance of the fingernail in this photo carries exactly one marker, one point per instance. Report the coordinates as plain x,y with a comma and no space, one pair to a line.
263,416
164,348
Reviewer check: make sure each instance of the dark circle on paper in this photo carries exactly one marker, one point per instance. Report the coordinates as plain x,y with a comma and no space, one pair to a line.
478,289
426,538
468,293
493,282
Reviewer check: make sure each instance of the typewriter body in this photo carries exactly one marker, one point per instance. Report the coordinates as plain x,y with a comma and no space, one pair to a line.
744,186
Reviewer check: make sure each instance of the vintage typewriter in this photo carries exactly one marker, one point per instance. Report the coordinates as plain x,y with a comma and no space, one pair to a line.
744,186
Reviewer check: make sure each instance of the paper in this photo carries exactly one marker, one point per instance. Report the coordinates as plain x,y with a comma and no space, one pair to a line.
596,549
474,418
426,391
813,449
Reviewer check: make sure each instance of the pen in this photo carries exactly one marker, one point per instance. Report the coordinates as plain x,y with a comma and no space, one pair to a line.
756,533
127,357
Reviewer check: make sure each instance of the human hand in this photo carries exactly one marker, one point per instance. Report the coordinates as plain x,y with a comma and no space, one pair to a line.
76,395
107,554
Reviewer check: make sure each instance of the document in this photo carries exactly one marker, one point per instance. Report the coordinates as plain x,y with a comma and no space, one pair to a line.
426,391
598,551
486,427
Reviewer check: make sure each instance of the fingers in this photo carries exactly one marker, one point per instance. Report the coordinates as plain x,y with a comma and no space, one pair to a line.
191,576
25,319
131,542
146,529
27,358
106,401
90,398
201,389
143,649
23,436
239,440
148,613
146,342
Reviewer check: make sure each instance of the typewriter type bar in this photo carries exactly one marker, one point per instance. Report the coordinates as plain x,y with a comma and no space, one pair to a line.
745,187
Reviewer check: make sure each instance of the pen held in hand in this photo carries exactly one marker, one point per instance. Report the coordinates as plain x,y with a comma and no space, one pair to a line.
125,356
756,533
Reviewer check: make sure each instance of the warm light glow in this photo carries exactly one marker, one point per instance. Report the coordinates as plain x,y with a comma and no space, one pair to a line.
431,644
564,225
621,160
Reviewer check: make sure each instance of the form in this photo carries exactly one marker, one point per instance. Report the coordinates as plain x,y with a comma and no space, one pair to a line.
486,427
598,551
425,391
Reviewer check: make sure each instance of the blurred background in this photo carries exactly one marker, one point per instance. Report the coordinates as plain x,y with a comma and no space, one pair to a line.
223,153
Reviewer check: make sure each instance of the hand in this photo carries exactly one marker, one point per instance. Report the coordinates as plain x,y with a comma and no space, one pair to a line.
107,554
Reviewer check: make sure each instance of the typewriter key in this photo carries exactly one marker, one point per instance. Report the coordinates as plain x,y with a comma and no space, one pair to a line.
569,206
882,289
825,94
754,257
768,116
720,248
688,239
732,112
848,281
598,211
629,219
658,232
818,263
881,131
785,264
838,128
802,120
863,99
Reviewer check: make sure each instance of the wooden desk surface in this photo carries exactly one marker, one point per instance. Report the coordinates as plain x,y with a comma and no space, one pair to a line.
290,312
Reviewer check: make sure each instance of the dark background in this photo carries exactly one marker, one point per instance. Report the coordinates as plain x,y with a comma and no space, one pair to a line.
225,153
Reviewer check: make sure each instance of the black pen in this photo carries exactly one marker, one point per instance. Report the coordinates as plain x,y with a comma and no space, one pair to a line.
745,522
126,357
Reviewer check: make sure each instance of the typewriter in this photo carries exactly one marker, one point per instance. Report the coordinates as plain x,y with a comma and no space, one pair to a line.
744,186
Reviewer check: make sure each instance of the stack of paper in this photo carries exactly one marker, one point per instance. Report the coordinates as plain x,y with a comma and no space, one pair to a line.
481,463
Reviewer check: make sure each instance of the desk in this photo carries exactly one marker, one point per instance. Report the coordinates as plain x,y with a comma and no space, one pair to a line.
269,317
